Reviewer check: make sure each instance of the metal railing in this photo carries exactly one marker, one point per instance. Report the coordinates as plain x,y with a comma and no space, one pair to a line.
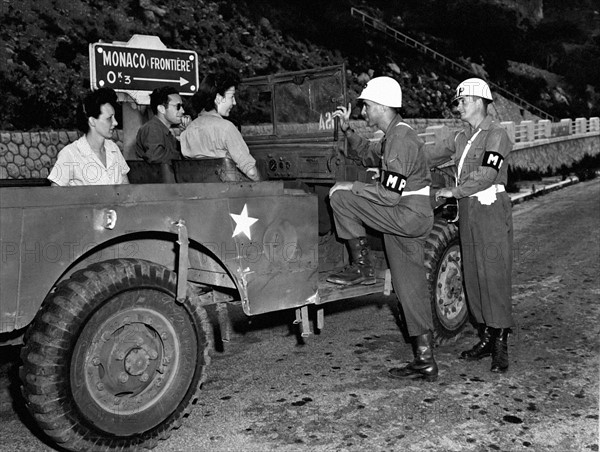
413,43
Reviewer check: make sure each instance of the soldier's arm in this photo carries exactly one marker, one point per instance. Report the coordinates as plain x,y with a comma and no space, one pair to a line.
442,151
401,156
365,151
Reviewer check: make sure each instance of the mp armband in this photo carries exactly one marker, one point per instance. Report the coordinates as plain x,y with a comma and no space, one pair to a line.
493,160
393,181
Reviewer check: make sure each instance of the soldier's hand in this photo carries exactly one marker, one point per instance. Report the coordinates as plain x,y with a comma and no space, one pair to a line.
340,186
443,193
375,172
344,114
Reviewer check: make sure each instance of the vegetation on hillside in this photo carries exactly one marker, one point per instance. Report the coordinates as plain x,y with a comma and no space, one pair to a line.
45,70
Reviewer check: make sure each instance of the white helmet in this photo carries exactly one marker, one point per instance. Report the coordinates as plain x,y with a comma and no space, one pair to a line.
473,87
383,90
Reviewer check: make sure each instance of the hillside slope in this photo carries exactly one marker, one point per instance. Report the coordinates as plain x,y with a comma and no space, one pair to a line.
44,48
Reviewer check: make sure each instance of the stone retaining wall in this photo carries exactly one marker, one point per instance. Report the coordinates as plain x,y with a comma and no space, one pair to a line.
31,155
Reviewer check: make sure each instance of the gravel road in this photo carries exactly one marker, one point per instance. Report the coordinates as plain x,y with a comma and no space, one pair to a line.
269,391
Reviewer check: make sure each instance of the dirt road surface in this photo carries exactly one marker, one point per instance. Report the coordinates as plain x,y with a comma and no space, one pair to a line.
268,391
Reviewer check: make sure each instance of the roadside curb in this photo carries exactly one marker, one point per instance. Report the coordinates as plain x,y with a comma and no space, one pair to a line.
519,197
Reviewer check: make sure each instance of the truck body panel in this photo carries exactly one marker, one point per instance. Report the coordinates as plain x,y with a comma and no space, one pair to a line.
47,232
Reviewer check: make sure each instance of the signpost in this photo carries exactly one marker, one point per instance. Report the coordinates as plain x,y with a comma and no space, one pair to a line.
135,68
142,64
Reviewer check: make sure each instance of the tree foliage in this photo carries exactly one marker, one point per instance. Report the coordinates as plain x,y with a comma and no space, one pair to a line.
45,67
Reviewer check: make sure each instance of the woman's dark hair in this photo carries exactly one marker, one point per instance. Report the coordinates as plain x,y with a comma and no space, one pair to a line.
91,106
211,85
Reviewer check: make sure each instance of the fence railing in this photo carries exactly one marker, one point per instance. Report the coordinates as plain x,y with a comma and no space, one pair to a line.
529,131
413,43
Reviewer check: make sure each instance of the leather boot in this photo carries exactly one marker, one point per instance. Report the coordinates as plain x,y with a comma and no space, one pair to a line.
500,349
423,367
361,271
482,349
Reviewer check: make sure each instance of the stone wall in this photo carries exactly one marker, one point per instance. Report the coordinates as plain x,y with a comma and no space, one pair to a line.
31,155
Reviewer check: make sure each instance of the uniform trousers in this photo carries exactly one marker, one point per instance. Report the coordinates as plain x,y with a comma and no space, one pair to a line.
405,228
486,236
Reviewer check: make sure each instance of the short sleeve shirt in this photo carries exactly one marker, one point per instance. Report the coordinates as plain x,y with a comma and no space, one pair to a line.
78,165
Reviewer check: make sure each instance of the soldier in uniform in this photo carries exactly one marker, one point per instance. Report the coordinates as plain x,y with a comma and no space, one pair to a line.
396,203
485,218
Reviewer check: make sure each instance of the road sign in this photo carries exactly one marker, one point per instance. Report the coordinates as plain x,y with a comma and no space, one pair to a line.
138,70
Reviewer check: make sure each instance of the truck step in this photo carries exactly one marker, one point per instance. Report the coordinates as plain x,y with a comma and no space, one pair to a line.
331,292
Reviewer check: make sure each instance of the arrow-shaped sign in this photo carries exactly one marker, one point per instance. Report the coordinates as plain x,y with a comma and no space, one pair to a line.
139,69
182,81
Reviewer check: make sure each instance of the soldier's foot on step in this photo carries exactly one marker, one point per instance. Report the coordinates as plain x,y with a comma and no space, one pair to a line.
351,275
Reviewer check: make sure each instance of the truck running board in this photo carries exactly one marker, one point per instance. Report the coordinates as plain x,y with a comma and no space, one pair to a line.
331,292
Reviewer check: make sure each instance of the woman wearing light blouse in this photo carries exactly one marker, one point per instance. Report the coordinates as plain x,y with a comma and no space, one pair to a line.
94,159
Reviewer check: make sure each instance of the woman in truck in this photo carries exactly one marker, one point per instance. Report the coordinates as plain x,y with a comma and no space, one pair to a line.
211,135
94,159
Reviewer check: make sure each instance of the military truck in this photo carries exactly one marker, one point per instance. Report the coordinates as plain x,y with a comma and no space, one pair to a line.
107,286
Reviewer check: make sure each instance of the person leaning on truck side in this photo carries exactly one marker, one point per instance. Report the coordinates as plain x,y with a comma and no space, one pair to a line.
397,203
154,141
485,219
210,135
94,159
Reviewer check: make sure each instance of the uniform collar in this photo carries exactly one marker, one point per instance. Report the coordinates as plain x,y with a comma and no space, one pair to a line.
483,125
397,119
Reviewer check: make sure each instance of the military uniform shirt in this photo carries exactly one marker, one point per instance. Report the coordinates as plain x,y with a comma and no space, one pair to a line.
402,154
485,163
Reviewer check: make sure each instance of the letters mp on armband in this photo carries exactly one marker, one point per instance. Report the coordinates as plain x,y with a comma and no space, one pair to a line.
493,160
393,181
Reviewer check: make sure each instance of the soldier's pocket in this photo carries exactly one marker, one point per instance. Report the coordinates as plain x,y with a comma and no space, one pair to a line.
473,159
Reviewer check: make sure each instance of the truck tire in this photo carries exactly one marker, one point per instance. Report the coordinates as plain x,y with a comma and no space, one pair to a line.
112,361
444,275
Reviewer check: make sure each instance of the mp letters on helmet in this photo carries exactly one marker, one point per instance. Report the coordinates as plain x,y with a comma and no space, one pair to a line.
393,181
493,160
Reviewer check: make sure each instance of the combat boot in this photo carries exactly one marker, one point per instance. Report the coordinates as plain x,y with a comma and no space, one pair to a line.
482,349
361,270
500,350
423,367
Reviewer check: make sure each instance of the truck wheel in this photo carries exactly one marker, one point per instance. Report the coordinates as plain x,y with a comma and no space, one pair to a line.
444,274
112,361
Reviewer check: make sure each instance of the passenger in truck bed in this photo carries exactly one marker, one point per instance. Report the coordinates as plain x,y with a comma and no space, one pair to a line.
154,141
94,159
210,135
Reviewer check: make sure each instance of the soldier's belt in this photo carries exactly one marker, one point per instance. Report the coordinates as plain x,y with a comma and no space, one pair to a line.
421,191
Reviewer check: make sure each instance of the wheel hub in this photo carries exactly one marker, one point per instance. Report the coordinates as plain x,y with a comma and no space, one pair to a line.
131,356
136,361
450,297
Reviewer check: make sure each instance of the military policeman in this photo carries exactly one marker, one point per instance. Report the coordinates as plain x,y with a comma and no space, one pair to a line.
485,218
397,204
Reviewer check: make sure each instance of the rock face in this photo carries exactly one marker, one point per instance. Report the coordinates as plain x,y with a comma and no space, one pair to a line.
531,10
